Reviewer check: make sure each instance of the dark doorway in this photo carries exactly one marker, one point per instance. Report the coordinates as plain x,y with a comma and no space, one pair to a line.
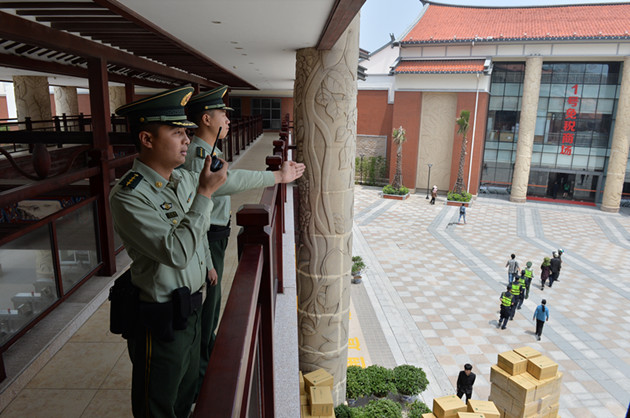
561,186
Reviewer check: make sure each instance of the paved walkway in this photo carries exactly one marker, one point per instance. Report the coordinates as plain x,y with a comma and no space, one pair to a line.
433,287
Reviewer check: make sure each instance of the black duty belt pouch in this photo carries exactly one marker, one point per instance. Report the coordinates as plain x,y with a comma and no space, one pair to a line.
158,318
182,307
123,296
218,232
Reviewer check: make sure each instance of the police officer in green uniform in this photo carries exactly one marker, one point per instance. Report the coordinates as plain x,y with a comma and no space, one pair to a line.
507,300
529,275
515,289
208,111
162,215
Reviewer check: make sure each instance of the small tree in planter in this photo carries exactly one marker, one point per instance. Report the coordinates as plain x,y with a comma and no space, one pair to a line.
462,123
383,408
357,383
417,409
357,267
399,136
409,380
381,380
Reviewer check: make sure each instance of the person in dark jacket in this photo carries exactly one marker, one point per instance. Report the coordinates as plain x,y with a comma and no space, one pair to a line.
465,382
556,265
545,270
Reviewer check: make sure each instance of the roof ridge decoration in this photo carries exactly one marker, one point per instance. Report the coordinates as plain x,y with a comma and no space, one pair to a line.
443,24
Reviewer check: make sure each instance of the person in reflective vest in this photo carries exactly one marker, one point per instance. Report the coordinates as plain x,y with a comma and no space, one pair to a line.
529,275
507,300
523,287
515,289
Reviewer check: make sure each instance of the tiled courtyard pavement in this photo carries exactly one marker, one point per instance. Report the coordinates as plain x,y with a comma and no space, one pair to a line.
434,288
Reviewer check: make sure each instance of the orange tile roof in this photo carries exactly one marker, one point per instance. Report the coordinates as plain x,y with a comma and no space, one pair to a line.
440,23
439,67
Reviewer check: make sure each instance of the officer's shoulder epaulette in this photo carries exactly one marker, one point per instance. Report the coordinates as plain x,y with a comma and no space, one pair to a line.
200,152
131,180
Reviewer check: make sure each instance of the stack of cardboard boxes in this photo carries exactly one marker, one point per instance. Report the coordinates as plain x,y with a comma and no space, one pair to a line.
453,407
316,394
525,384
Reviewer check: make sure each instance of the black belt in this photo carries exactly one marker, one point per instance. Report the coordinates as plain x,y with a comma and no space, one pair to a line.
218,232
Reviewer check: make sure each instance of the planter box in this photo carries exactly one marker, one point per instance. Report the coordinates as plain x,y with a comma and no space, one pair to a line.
456,203
395,196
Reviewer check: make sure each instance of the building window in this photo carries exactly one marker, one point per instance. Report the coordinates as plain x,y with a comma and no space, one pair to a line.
235,103
270,111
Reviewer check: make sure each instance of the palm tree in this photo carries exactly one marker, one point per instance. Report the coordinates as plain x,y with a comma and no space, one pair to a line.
462,122
398,137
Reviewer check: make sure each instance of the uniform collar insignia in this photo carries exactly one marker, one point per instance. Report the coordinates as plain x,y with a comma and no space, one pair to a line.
131,180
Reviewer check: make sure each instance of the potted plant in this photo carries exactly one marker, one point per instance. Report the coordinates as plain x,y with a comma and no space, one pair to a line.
381,380
458,194
396,190
357,384
357,268
383,408
409,381
418,409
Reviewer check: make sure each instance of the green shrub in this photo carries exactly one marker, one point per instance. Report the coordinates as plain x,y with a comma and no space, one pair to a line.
382,408
410,380
381,380
357,264
418,408
463,197
357,383
373,171
343,411
389,189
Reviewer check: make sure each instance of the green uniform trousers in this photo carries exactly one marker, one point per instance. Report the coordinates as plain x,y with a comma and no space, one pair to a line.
164,376
211,308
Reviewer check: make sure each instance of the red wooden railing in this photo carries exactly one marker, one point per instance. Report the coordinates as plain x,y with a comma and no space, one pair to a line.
239,380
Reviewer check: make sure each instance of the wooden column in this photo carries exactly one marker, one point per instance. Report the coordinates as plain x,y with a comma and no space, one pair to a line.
129,91
101,154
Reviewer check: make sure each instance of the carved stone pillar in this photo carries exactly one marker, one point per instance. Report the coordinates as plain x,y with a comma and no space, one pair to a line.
616,172
66,101
32,98
117,97
527,126
325,120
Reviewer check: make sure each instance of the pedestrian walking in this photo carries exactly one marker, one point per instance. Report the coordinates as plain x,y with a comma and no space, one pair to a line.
545,271
513,268
465,382
541,315
529,275
462,213
515,289
521,297
560,252
433,194
555,268
507,299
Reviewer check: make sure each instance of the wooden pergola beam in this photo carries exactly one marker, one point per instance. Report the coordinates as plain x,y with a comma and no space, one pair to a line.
342,13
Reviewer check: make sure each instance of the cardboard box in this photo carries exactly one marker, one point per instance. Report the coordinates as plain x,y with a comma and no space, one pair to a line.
512,363
527,352
526,410
319,377
501,398
305,411
303,399
302,388
428,415
499,376
548,401
470,415
542,367
487,408
521,389
545,387
448,406
325,416
556,384
552,411
321,400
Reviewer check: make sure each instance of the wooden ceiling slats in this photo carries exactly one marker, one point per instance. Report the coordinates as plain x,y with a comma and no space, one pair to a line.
38,12
48,5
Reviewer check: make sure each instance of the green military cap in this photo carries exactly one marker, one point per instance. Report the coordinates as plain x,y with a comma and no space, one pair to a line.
166,107
208,100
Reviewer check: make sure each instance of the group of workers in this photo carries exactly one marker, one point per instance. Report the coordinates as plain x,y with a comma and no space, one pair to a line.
172,212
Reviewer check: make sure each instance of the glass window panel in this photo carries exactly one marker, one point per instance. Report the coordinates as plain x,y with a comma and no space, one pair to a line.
599,152
27,283
590,90
544,90
497,89
512,89
580,162
275,113
504,156
543,104
564,160
538,147
275,124
548,159
607,91
581,150
596,163
78,251
556,105
496,103
275,103
540,125
489,155
588,105
558,90
510,103
536,158
507,145
605,106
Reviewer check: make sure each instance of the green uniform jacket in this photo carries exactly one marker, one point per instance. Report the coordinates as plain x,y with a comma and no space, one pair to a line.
163,225
237,180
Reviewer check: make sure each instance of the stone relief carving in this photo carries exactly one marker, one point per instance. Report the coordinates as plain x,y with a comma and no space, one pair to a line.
32,98
325,127
66,101
117,97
